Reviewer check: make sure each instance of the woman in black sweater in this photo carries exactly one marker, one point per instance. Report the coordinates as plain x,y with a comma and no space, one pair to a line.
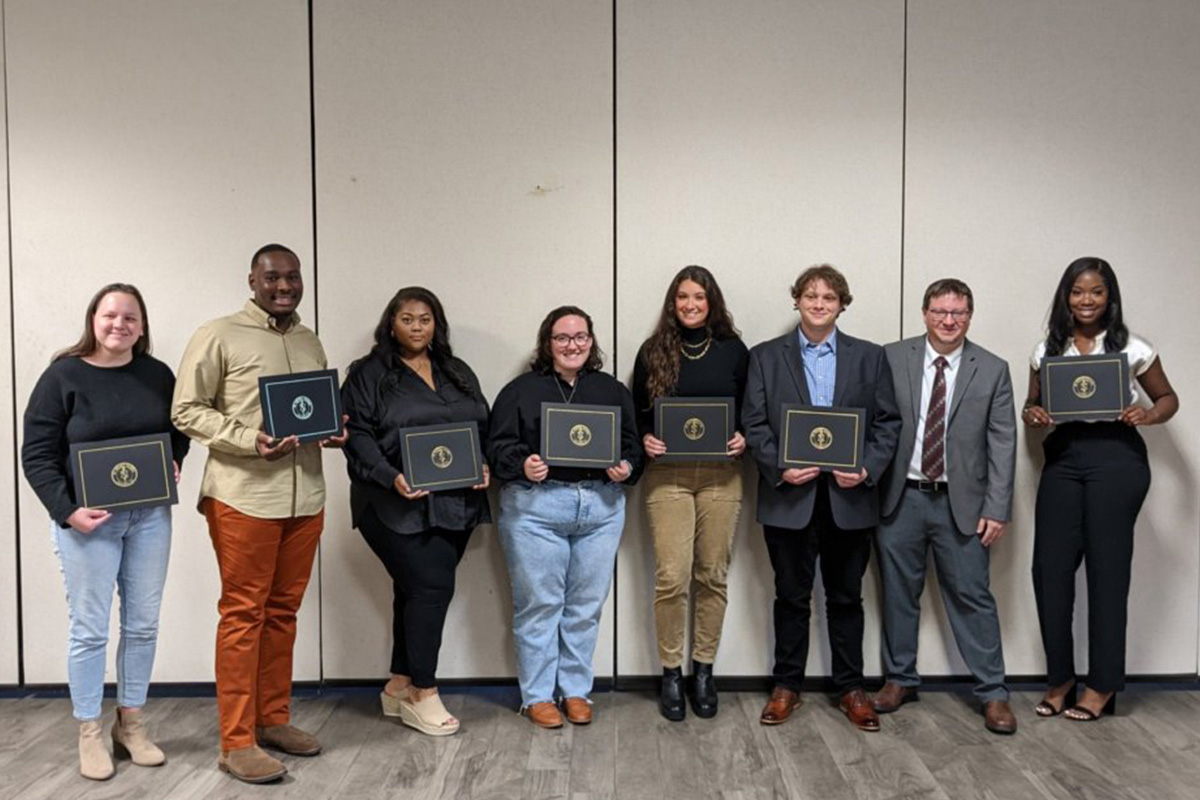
412,378
692,506
106,386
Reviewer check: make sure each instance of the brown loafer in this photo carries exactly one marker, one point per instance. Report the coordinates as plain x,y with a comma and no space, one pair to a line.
998,717
892,696
578,710
251,765
544,715
289,739
857,707
781,705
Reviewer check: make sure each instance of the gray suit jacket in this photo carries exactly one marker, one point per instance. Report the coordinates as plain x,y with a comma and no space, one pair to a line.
981,433
863,380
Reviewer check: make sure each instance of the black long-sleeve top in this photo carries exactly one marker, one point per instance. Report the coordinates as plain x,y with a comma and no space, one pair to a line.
720,372
383,398
516,426
75,402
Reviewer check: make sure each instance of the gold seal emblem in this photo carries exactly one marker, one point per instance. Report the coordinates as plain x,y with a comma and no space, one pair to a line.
302,407
693,428
441,456
821,437
581,435
1083,387
124,475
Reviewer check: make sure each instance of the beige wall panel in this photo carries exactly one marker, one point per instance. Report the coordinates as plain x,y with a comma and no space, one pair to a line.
1037,133
159,143
9,656
755,139
466,147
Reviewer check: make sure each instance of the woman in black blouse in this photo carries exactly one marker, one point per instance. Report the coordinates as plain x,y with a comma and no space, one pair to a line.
692,506
411,378
559,526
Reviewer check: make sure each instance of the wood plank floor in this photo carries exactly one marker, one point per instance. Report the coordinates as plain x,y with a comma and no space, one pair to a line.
936,749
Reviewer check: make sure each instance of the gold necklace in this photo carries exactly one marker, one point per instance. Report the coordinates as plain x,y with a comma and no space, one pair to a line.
707,343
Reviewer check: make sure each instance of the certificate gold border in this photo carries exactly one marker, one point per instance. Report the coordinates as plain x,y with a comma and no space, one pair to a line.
787,429
469,430
162,452
605,462
1073,361
727,407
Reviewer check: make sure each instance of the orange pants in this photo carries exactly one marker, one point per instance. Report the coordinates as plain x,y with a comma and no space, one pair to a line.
265,566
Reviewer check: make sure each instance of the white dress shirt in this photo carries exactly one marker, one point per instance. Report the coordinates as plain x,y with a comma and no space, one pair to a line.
928,374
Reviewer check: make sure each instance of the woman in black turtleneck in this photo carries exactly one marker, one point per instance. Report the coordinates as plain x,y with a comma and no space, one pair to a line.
692,506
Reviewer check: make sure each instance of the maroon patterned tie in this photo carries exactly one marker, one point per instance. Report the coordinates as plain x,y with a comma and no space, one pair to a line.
933,446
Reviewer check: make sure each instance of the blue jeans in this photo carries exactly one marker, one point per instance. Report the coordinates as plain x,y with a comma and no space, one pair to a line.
129,550
560,541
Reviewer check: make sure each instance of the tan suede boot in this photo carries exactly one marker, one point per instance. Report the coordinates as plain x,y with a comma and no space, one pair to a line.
94,761
251,765
130,741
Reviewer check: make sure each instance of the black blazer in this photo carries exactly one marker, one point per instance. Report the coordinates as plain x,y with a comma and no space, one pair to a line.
864,380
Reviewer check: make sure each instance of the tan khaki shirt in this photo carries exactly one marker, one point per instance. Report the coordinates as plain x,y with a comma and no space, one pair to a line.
216,404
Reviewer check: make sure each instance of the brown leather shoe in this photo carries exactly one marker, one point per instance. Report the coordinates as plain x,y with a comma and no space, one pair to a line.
998,717
781,705
289,739
544,715
892,696
857,706
578,710
251,765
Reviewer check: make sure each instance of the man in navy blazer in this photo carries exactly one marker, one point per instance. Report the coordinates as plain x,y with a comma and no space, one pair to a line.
949,490
808,514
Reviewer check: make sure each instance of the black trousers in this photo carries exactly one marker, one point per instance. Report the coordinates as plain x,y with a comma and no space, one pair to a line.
1092,487
422,569
844,555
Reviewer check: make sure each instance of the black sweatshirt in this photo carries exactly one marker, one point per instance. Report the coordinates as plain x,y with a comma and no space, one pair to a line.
75,402
515,432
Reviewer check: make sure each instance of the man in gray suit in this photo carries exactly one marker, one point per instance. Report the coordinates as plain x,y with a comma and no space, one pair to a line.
949,489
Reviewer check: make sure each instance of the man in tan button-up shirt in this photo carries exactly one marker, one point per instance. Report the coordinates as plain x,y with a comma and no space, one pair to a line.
264,500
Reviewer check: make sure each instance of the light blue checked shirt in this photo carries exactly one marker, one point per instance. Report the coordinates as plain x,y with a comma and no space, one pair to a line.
820,367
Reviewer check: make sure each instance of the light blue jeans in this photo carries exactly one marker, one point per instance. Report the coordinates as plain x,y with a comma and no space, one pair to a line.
129,550
560,541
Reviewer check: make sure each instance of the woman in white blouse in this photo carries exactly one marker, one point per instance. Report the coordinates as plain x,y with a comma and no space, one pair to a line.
1094,481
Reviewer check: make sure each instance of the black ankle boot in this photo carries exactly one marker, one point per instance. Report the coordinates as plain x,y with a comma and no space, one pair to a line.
702,690
670,699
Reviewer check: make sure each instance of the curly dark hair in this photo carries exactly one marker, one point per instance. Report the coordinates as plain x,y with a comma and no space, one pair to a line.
87,343
440,351
662,349
543,354
1062,321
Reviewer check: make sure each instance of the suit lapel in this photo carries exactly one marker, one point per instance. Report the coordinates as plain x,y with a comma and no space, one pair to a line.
841,377
966,371
795,364
916,377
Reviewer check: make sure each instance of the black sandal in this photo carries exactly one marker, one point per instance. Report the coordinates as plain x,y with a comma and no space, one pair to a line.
1080,714
1046,709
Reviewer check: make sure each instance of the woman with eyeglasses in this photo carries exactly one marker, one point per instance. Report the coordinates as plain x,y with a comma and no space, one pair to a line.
411,378
559,526
692,506
1093,483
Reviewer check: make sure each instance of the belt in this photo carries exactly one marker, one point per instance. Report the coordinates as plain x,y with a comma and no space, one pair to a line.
927,486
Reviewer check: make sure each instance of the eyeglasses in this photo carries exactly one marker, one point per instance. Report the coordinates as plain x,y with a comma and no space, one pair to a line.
939,314
579,339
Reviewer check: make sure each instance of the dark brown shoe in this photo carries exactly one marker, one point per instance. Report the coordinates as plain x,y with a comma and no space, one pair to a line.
578,710
251,765
998,717
544,715
289,739
857,707
892,696
781,705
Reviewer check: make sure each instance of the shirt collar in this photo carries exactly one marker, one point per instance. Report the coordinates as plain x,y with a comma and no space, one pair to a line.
1097,345
830,341
952,358
265,320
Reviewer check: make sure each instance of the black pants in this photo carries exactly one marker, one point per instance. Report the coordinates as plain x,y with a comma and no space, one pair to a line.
422,569
1095,479
844,555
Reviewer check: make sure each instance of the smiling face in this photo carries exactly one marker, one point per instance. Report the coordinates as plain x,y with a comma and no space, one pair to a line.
947,320
819,307
276,283
1088,299
570,344
413,327
691,304
117,325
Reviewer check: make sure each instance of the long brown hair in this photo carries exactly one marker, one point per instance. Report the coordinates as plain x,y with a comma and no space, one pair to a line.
664,345
87,343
